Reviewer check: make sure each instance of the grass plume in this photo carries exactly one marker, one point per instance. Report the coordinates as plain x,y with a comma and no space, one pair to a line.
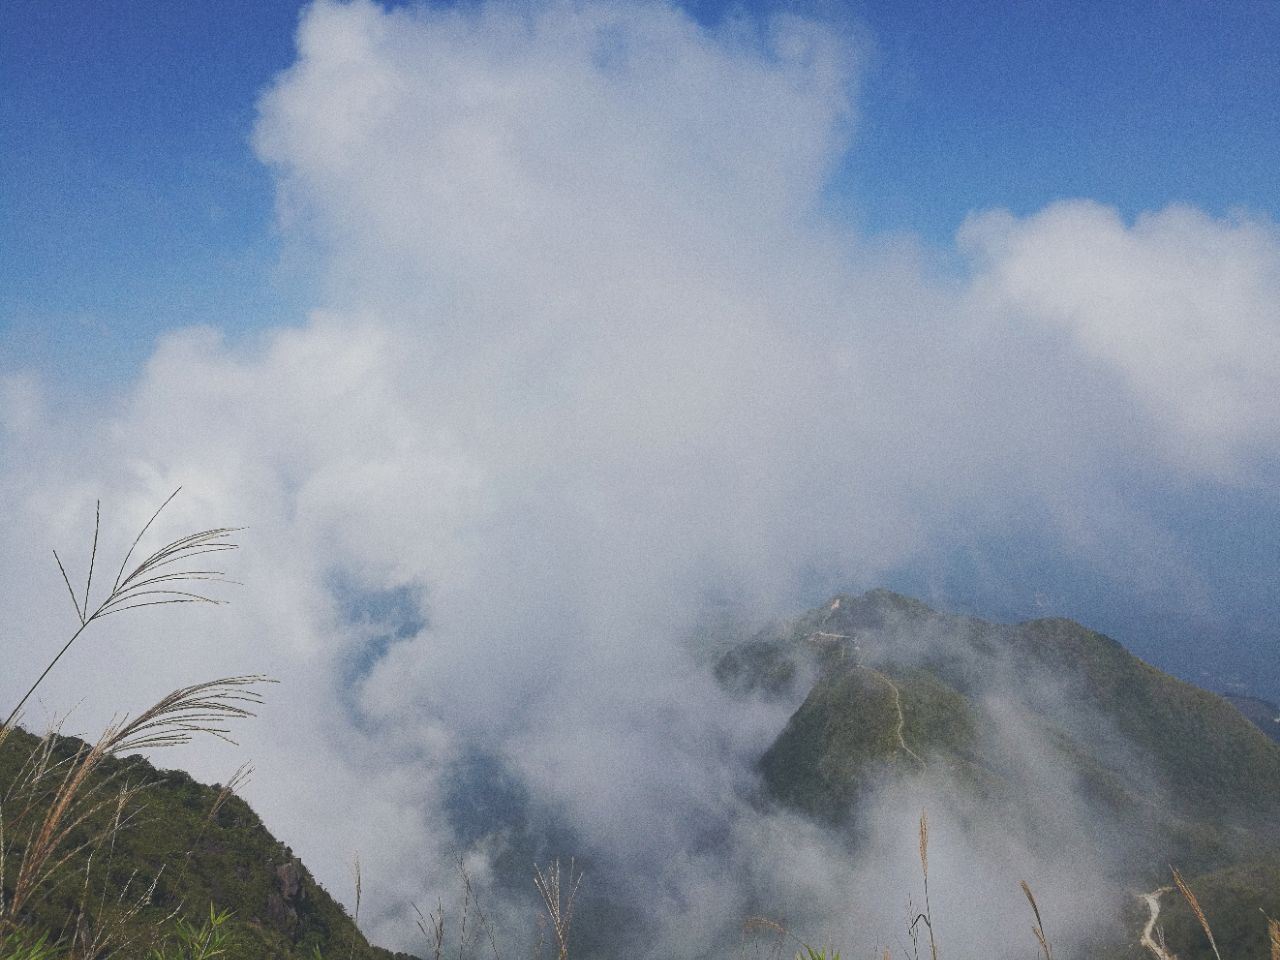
168,575
557,898
1038,929
1194,904
59,810
927,916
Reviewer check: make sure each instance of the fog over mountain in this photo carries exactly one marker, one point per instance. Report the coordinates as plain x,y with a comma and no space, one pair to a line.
591,368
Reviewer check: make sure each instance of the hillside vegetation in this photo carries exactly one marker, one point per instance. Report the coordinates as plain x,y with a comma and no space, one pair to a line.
192,847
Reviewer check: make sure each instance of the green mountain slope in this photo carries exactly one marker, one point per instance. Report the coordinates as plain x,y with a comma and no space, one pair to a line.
195,856
1263,713
900,690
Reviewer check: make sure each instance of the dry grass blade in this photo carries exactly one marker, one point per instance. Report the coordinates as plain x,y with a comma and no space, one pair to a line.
75,601
238,779
558,903
54,801
55,821
142,533
151,583
109,932
1195,908
1038,929
242,775
64,803
435,935
927,916
924,842
358,877
175,718
151,579
93,553
471,900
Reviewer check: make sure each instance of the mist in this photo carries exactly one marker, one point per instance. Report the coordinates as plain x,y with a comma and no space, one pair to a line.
591,361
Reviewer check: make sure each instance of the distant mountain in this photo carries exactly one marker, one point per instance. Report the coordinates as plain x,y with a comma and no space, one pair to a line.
1264,713
1023,725
896,690
192,852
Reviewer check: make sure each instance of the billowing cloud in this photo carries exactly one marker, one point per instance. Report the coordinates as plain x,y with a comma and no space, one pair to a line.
590,359
1182,308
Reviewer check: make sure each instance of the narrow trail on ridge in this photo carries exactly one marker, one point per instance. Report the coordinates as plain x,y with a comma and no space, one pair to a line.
902,720
821,635
1153,905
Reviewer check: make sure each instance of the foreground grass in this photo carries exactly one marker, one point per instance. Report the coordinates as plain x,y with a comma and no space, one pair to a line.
102,855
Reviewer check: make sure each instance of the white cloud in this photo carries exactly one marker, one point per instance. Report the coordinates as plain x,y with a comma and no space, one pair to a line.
1185,309
589,355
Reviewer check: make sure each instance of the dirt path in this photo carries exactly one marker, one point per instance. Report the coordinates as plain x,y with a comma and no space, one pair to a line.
1153,904
902,720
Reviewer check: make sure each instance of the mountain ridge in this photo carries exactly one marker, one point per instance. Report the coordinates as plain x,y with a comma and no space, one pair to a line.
193,846
904,693
887,690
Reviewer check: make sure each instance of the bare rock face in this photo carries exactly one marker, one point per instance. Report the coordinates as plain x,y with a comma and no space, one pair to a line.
284,901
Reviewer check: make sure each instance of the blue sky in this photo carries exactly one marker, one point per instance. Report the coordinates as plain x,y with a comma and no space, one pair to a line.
133,203
1018,104
516,335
